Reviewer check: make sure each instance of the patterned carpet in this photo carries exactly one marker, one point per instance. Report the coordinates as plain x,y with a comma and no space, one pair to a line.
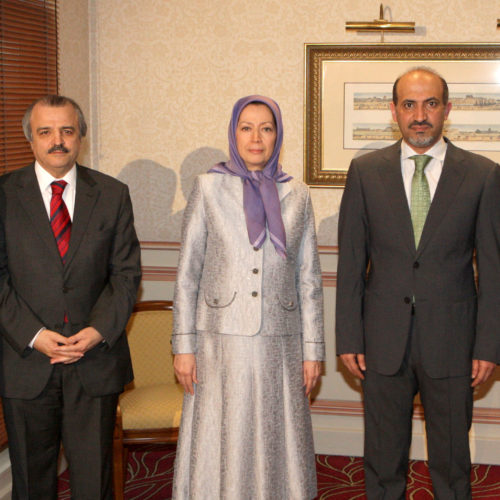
150,471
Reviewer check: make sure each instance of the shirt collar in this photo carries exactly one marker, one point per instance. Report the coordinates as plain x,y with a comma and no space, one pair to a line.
437,151
45,179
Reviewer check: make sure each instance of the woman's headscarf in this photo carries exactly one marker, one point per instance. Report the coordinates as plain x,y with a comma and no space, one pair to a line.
260,195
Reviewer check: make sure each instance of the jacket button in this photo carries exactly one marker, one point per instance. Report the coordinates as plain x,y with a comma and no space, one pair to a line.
65,289
254,294
216,301
290,304
256,249
407,300
255,270
416,265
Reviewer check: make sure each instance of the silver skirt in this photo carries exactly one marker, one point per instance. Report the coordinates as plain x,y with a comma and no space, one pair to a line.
246,434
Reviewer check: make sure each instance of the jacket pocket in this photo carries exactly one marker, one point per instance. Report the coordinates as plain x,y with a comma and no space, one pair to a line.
288,303
103,232
218,300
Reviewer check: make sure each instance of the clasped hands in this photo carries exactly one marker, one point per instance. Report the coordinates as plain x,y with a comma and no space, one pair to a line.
185,371
67,350
481,369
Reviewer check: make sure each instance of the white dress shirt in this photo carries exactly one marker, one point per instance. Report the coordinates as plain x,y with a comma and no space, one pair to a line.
432,170
44,181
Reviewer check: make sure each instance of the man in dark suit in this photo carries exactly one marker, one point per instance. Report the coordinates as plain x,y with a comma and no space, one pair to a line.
69,273
409,316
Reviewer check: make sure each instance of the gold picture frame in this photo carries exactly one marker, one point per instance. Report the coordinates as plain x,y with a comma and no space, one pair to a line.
330,69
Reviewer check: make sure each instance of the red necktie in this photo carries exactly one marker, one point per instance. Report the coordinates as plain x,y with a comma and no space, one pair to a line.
59,218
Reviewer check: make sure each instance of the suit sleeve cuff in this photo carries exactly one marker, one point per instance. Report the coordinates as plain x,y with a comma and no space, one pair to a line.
184,343
313,351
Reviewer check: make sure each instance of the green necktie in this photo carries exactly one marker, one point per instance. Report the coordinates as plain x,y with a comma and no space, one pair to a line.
420,195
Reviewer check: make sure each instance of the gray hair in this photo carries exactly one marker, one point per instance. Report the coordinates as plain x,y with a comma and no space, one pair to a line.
424,69
53,101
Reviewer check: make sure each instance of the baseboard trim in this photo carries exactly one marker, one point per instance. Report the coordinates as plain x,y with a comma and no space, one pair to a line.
340,440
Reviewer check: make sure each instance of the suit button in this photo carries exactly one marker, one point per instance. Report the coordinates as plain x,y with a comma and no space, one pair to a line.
290,304
254,294
407,300
65,289
216,301
416,265
256,249
255,270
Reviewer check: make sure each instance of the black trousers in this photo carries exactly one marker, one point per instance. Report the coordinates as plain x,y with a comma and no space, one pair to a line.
388,404
63,412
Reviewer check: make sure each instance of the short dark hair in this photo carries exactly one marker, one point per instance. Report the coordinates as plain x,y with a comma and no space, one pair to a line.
424,69
53,101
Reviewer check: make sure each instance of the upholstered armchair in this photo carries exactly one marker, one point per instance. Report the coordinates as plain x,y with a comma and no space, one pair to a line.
149,411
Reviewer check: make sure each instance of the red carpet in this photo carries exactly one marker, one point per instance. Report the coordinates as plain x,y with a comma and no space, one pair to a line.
150,471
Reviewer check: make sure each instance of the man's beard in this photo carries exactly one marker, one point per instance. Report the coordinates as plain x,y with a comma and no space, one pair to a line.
421,141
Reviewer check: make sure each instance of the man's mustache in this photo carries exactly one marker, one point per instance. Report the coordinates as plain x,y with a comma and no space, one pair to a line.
58,147
419,124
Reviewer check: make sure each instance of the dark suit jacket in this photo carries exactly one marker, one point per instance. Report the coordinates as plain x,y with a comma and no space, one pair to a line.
380,270
97,286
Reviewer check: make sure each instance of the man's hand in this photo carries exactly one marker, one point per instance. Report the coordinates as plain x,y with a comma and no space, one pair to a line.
481,371
355,363
77,345
185,371
312,373
49,342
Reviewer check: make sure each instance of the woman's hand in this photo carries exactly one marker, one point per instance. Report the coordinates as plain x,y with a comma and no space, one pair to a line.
312,373
185,371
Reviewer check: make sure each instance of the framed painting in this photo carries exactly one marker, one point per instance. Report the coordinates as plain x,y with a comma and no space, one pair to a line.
348,91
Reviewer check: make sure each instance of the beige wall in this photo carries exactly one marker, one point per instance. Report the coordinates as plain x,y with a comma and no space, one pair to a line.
165,74
74,59
158,79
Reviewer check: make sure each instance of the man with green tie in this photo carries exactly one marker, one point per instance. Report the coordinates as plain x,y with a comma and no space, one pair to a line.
409,316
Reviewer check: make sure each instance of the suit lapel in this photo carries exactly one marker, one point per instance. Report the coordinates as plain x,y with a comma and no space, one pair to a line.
451,179
30,198
87,193
392,179
284,189
233,186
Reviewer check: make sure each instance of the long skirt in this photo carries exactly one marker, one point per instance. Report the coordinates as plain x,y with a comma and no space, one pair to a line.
246,433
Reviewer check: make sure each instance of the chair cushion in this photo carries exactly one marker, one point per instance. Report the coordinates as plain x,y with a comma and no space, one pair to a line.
152,407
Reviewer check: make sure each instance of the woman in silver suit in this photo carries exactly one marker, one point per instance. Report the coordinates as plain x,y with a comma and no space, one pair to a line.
248,322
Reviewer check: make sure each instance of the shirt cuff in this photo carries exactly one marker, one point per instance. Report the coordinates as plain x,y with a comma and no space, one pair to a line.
32,343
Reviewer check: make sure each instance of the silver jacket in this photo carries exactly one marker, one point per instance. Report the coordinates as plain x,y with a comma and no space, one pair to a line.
225,286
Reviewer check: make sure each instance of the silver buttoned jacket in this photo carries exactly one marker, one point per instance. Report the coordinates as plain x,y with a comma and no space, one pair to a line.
226,286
